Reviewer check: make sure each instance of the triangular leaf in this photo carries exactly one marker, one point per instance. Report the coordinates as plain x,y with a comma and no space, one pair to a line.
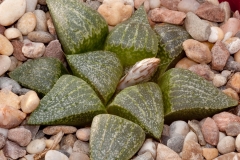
70,102
141,104
101,69
188,96
79,28
39,74
113,137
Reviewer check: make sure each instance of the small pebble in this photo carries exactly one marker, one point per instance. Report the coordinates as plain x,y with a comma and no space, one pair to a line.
68,140
82,147
197,51
188,6
7,97
210,131
226,145
36,146
6,46
231,25
144,156
27,23
13,33
197,28
216,35
154,4
21,136
176,143
2,29
185,63
93,4
232,65
55,155
233,129
77,155
170,4
233,44
203,70
226,73
115,13
237,57
191,150
230,156
29,102
178,128
14,63
164,152
17,53
41,20
40,36
49,142
168,16
54,50
137,3
223,119
5,63
220,55
31,5
224,5
4,132
211,12
52,130
191,136
237,143
148,146
195,127
234,82
83,134
3,140
210,153
219,80
67,148
33,49
11,11
51,27
13,150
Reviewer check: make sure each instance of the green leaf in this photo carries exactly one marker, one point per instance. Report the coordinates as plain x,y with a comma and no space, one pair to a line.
39,74
70,102
188,96
141,104
171,38
101,69
113,137
79,28
133,40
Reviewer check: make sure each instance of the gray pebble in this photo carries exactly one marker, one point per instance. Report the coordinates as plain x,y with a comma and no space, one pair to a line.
226,145
233,129
13,150
82,147
232,65
176,143
40,36
93,4
19,135
9,83
178,128
68,140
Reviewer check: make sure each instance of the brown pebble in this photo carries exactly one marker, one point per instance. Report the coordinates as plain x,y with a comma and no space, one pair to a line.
54,50
170,4
220,56
223,119
210,153
203,70
21,136
52,130
234,82
197,51
210,131
210,12
168,16
191,150
2,29
17,52
233,129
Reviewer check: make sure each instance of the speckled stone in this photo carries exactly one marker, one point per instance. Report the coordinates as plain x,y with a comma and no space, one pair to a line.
52,130
164,153
210,131
191,150
176,143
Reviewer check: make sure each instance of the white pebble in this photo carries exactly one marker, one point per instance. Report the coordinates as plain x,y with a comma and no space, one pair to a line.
148,146
233,44
237,143
36,146
13,33
6,46
27,23
191,136
11,11
55,155
31,5
83,134
219,80
154,3
41,20
29,102
216,34
33,49
226,145
5,63
188,6
227,36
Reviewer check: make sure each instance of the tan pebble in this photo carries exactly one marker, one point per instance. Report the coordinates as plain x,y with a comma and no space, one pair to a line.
219,80
164,152
5,64
83,134
11,11
41,20
115,13
9,98
51,27
191,150
6,47
216,34
52,130
13,33
223,119
234,82
237,57
232,93
185,63
14,63
27,23
33,49
215,2
29,102
232,25
40,36
233,44
208,44
210,153
197,51
49,142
